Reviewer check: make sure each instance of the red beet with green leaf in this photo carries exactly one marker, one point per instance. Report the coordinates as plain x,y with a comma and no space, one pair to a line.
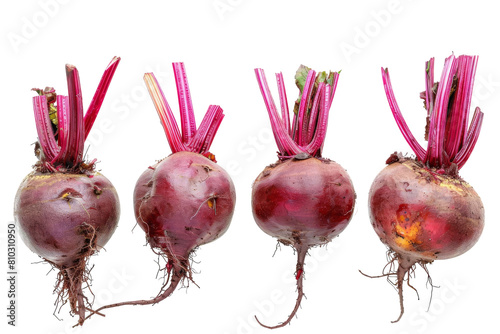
186,200
66,211
421,208
303,199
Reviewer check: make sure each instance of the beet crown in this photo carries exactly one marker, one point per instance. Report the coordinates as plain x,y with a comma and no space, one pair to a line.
61,125
450,142
306,134
193,139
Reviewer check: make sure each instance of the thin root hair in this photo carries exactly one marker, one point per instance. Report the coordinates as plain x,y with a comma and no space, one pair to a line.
429,282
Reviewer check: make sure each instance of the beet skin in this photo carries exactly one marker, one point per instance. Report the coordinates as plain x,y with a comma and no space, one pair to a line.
183,202
65,218
306,201
425,215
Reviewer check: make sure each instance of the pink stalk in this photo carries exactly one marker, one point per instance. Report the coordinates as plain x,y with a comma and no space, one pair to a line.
403,127
304,107
192,139
165,113
63,116
44,128
100,93
74,152
459,113
437,125
316,144
467,98
313,116
206,131
283,102
188,122
466,150
449,140
65,147
283,140
308,132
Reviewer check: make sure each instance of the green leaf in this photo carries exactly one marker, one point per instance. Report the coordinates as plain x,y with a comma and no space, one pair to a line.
300,81
321,77
301,77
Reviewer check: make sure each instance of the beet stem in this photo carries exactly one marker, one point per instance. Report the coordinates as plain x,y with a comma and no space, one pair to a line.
316,143
310,117
299,274
100,93
188,122
193,139
165,113
64,148
437,134
313,115
472,137
207,130
449,141
398,116
63,116
44,129
75,140
285,113
303,108
286,145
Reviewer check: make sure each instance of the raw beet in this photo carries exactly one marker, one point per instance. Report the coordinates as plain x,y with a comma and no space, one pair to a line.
183,202
303,203
66,211
421,208
303,200
422,214
187,199
64,218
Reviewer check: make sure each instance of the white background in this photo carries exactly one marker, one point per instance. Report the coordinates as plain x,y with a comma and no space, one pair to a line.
221,42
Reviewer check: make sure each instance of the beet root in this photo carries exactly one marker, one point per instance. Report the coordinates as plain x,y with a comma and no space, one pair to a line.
65,218
422,216
303,203
184,201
